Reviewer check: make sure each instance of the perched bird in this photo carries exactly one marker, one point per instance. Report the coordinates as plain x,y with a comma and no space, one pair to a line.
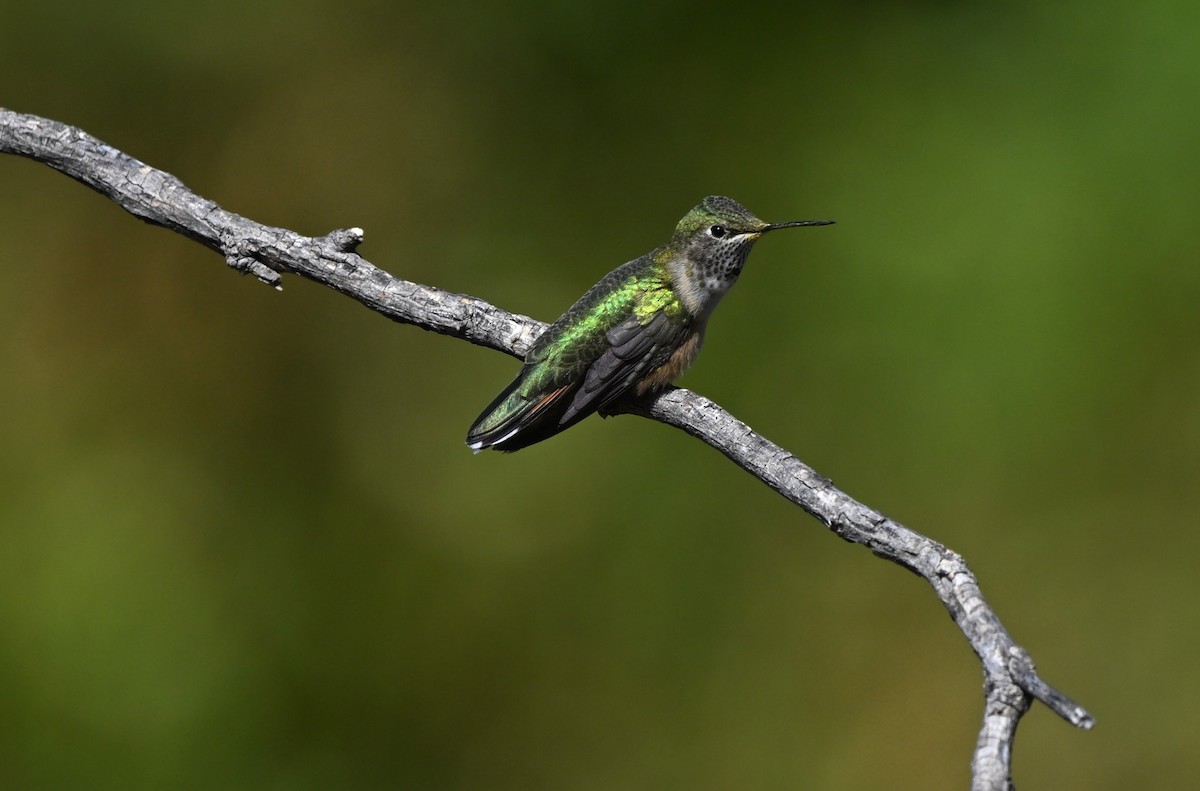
633,332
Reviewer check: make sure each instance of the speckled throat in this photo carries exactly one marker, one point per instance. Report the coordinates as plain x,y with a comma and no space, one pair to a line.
702,275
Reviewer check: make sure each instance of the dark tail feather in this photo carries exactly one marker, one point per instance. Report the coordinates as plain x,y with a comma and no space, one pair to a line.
515,420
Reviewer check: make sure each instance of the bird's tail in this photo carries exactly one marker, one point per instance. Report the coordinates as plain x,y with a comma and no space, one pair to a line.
520,416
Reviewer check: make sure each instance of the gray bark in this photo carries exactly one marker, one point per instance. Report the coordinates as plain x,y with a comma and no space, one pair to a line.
1011,682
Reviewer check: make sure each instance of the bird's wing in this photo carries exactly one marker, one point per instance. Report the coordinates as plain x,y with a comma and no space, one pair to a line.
577,367
543,400
636,347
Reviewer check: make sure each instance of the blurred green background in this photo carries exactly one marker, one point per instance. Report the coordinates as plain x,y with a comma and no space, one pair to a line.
245,546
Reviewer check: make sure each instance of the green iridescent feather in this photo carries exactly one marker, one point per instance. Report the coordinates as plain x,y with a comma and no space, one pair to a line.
560,360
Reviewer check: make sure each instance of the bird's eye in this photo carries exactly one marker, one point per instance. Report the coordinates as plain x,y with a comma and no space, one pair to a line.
717,231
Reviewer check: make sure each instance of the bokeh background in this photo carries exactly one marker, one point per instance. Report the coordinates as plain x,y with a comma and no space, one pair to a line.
245,547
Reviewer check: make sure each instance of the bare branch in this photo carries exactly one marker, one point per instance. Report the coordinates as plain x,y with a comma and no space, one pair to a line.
1010,679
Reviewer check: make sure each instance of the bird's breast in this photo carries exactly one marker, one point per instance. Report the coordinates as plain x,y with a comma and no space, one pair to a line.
676,364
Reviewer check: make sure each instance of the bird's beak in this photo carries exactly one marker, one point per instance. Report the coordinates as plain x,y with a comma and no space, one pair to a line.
774,226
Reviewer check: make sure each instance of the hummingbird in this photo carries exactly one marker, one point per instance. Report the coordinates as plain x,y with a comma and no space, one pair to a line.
633,332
